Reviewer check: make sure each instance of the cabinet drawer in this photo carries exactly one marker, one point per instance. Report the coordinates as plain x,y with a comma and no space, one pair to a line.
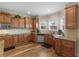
67,51
68,43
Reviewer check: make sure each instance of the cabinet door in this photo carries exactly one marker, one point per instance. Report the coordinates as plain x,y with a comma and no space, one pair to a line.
34,24
46,38
1,18
68,48
33,37
21,23
50,40
7,19
15,37
58,46
25,38
20,39
8,41
28,22
71,17
68,51
29,38
4,18
15,23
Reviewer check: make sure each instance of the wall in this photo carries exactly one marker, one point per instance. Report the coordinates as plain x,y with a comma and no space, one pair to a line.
51,19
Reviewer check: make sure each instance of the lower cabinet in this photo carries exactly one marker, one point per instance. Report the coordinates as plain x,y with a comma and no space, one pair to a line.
25,38
20,38
65,47
8,41
68,48
15,37
48,39
57,46
62,47
33,37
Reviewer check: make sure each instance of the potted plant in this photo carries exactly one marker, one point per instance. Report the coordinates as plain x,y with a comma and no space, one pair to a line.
17,16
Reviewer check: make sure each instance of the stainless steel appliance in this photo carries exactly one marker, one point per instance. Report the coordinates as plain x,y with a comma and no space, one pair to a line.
4,26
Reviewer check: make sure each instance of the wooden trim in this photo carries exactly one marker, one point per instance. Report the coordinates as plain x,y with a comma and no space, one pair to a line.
72,6
5,13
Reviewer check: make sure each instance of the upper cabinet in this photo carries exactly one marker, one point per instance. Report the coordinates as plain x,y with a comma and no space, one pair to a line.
28,22
5,18
21,23
14,23
34,23
71,17
17,23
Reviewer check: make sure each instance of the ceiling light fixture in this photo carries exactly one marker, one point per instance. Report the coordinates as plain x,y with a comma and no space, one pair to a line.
28,12
49,10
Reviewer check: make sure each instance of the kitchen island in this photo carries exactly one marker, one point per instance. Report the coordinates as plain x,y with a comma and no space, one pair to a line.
1,47
14,37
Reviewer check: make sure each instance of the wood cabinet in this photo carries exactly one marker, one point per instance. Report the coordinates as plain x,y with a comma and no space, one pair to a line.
28,22
48,39
16,40
33,37
62,47
68,48
18,23
21,38
71,17
34,23
5,17
26,38
21,23
58,46
29,37
8,41
14,23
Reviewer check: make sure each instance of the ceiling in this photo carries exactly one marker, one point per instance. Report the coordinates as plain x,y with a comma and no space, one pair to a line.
33,8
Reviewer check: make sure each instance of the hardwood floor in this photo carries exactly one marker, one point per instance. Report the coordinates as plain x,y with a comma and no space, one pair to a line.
30,50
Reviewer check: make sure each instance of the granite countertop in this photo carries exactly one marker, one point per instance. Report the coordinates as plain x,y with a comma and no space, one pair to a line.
64,38
14,34
58,36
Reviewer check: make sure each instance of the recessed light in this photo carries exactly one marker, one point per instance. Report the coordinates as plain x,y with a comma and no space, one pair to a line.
28,12
49,10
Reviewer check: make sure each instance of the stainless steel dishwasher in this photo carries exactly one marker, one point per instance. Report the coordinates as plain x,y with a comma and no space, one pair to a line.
40,37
